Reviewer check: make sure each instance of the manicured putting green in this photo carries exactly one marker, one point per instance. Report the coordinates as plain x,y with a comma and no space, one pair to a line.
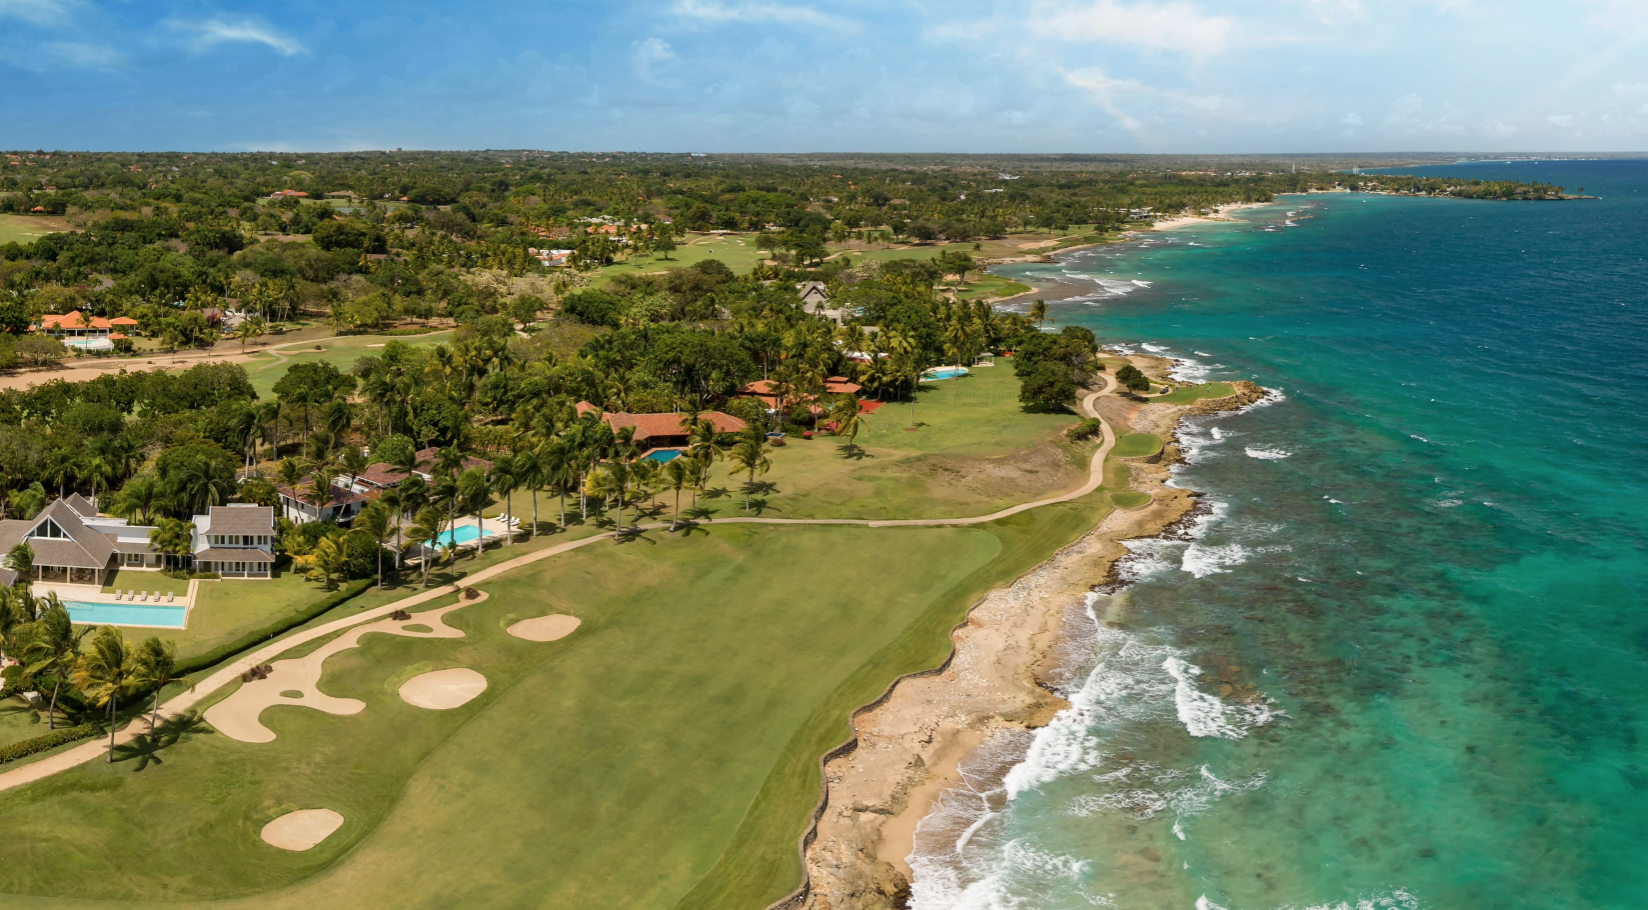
1130,499
1195,393
1136,445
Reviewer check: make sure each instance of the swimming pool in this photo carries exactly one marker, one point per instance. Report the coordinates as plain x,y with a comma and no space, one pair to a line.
943,373
159,615
661,455
460,534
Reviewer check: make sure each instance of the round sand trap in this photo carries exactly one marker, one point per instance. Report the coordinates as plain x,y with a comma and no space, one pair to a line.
302,829
443,689
545,628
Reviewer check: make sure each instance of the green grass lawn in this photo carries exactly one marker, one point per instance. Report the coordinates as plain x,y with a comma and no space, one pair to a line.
992,286
1129,499
663,755
266,369
26,229
974,450
229,608
1194,393
1135,445
19,721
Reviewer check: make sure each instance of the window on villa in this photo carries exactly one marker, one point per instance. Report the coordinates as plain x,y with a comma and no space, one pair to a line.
47,528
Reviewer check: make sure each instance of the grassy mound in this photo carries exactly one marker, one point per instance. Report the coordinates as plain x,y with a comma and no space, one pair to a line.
1129,499
1195,393
1136,445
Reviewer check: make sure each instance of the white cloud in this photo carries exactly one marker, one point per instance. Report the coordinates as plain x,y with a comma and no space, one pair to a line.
1632,91
1172,26
85,56
1351,120
1563,120
653,50
39,12
1336,11
715,11
213,32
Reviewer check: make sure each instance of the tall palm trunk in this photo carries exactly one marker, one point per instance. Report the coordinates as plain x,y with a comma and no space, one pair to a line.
51,717
154,716
114,709
509,513
677,519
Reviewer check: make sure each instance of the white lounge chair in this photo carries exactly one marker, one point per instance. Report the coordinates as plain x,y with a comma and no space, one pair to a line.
170,597
144,596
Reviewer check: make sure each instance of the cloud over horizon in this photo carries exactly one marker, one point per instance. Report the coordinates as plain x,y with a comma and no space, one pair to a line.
793,75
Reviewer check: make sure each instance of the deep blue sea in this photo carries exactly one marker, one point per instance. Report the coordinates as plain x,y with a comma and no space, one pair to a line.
1401,660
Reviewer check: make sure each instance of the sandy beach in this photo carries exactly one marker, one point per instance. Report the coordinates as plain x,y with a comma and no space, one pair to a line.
1222,213
997,682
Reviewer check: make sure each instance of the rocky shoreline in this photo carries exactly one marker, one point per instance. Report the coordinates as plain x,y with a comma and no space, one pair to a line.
910,742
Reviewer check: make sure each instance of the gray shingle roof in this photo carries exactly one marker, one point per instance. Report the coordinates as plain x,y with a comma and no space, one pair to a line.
84,548
241,520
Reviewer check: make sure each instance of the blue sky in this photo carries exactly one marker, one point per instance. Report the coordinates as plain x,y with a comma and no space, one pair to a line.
847,75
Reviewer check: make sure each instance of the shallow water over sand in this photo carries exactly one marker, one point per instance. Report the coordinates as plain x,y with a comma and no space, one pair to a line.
1402,660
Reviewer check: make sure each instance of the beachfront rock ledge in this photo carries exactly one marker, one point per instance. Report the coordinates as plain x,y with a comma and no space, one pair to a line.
997,679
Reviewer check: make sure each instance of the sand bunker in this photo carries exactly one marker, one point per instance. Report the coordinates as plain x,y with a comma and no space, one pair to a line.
443,689
302,829
237,716
545,628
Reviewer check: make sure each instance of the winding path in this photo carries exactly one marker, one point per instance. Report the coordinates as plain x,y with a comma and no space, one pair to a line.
227,674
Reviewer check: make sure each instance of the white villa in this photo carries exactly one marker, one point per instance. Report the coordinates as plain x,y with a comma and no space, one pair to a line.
73,544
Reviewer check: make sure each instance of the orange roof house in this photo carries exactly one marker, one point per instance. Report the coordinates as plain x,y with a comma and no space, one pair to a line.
767,391
662,430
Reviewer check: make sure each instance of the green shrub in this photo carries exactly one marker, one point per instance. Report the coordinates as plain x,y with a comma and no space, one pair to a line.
1087,429
50,740
278,627
1130,377
205,576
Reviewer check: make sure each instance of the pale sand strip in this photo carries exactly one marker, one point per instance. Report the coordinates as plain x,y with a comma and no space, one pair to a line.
439,690
231,672
237,716
553,627
298,831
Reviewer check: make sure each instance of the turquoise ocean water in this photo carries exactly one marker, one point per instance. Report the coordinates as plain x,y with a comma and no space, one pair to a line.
1400,659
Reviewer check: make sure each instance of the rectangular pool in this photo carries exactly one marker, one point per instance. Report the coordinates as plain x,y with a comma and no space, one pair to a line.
159,615
461,534
662,455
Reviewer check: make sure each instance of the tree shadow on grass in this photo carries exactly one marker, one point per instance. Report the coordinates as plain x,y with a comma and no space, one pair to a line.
631,534
855,452
169,732
715,493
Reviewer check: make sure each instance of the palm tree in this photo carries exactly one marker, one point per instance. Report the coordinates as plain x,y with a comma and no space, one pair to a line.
503,481
848,417
101,464
354,461
607,481
426,532
105,673
376,524
324,563
750,456
678,473
1038,312
173,537
528,469
52,646
476,495
289,471
20,559
157,668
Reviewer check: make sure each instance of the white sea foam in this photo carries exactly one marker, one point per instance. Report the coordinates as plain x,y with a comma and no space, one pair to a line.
1202,354
1201,560
1201,713
1202,903
1265,454
1153,348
